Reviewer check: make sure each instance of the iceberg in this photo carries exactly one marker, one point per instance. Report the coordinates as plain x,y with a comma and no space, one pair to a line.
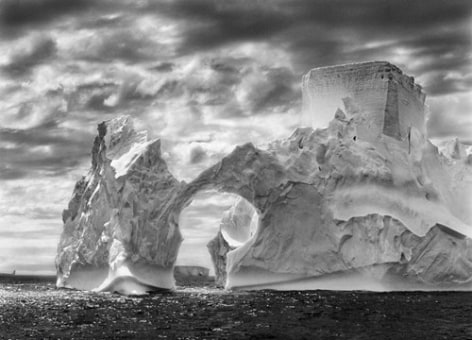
364,202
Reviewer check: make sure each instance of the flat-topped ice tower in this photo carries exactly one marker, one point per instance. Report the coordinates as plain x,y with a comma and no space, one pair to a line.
390,102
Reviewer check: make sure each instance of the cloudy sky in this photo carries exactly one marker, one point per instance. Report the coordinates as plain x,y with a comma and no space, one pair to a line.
202,75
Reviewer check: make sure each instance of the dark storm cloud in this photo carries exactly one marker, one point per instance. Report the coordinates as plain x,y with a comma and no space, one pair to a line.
8,173
24,12
20,17
278,90
163,67
239,19
28,54
234,87
23,163
317,32
339,35
63,150
386,14
443,83
119,44
91,96
214,23
314,32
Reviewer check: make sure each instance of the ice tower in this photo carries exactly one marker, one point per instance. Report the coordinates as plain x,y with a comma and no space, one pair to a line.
390,101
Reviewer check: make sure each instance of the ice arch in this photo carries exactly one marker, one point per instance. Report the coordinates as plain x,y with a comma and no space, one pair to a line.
121,228
213,225
257,177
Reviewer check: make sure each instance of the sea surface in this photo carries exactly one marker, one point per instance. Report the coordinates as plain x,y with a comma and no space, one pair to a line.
38,310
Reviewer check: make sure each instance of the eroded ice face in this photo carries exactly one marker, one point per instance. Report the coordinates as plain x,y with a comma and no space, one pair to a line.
239,223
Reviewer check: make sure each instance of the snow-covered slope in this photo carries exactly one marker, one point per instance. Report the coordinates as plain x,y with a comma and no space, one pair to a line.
333,209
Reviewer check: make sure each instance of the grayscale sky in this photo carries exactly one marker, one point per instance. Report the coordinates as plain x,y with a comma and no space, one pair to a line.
202,75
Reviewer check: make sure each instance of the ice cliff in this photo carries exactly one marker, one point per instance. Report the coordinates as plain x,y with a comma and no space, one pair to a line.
367,202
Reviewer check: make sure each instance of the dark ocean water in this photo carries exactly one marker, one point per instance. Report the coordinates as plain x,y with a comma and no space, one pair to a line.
40,311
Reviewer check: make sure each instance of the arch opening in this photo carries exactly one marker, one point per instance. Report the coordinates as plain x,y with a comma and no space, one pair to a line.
212,224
